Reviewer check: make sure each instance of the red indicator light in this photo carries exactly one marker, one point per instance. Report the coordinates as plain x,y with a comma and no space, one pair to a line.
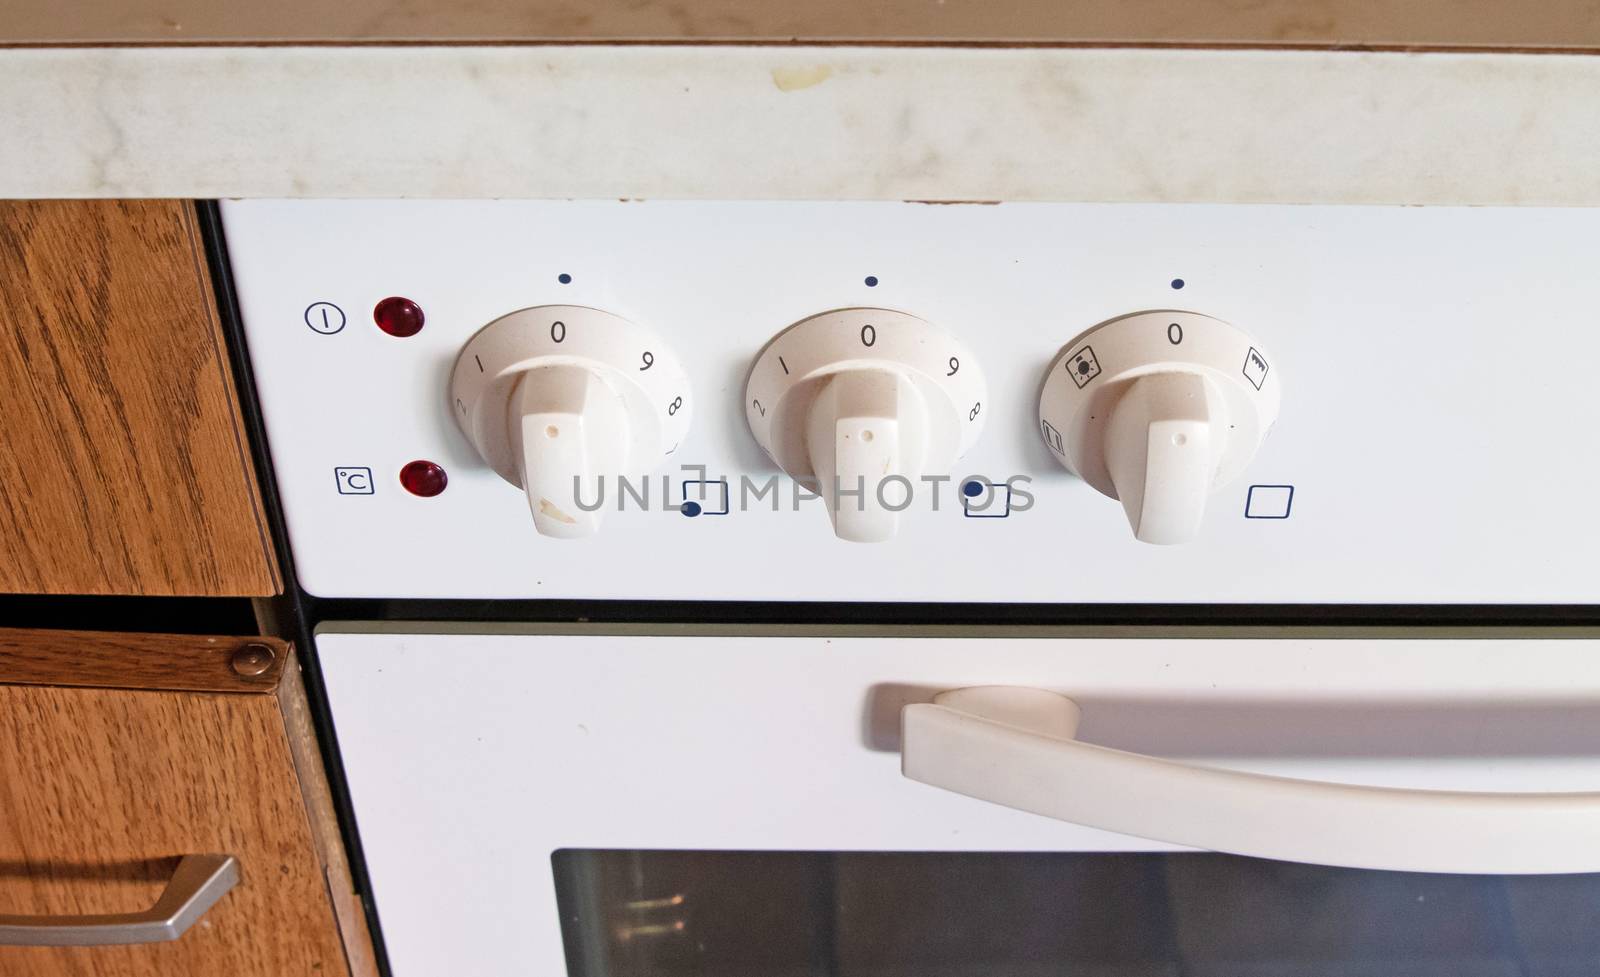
424,478
398,316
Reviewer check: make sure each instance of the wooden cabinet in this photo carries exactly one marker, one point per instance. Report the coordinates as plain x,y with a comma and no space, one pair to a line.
124,460
120,754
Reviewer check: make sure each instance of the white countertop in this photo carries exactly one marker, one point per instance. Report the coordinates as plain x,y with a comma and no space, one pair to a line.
841,122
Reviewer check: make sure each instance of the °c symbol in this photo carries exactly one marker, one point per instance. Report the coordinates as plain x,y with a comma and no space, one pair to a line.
324,317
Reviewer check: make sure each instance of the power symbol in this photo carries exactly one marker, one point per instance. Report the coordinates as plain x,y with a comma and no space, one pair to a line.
324,317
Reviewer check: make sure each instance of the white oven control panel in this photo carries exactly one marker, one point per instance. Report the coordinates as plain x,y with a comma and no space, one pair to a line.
809,401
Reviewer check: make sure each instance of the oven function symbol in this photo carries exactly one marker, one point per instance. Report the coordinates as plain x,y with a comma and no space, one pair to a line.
1268,501
1255,368
1083,367
353,480
1052,437
982,499
324,318
705,491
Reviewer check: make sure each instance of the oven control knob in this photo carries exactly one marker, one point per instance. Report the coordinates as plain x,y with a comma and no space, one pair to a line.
566,402
858,404
1158,409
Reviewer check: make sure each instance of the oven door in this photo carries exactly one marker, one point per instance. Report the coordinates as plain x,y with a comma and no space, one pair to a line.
880,802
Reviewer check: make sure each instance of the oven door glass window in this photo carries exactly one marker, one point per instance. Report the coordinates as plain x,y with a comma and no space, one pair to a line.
801,914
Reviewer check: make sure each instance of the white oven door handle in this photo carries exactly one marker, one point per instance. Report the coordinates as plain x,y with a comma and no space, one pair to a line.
1017,747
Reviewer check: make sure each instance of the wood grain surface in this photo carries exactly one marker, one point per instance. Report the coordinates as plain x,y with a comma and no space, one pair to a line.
175,663
105,789
348,909
124,460
1447,24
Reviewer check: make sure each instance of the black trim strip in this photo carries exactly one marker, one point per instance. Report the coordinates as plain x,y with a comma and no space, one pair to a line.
1059,615
120,612
292,610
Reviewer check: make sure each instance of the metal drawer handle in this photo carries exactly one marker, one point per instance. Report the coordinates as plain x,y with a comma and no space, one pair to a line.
1018,747
197,883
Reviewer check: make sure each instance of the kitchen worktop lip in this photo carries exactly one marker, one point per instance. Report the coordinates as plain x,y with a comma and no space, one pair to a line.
913,122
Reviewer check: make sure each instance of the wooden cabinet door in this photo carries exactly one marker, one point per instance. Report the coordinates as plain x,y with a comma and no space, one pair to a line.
120,754
124,461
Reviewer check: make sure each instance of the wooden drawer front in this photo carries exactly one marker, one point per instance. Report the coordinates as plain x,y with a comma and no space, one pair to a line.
124,460
103,789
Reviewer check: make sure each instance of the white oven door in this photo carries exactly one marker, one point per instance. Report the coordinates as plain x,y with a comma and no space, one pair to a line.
724,802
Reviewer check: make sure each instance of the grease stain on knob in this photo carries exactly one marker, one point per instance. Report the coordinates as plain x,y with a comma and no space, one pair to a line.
547,508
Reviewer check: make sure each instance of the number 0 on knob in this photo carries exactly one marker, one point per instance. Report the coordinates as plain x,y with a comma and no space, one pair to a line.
1157,410
565,401
849,400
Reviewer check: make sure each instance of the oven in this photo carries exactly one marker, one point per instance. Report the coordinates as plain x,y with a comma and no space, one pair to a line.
867,589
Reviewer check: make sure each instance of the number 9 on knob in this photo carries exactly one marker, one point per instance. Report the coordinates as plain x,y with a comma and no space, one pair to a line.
854,402
565,402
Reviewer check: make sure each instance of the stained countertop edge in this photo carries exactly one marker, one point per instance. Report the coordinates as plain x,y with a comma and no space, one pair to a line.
902,122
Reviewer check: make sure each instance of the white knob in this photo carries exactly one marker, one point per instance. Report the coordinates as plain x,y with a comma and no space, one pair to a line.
1158,410
859,404
573,430
567,403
